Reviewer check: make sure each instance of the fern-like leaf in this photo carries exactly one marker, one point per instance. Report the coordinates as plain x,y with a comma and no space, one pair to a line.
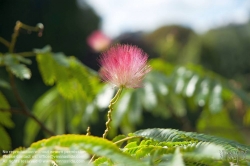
161,146
20,71
12,63
176,135
5,121
57,145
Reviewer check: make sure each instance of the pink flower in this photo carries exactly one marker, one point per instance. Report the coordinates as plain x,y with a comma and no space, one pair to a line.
98,41
124,66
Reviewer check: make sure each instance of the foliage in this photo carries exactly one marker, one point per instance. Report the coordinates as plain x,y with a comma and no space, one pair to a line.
145,147
171,90
65,108
76,96
11,62
6,121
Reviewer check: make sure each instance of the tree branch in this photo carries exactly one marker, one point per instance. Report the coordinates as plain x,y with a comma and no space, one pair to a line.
30,115
24,109
38,28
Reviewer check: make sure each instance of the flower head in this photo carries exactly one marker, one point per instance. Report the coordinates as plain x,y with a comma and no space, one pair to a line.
124,66
98,41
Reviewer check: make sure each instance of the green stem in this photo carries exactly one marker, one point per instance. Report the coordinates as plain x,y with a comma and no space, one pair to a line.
126,139
14,36
25,110
27,54
112,102
18,26
4,42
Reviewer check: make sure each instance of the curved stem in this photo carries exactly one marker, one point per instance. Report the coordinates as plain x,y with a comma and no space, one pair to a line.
14,36
4,42
19,25
11,45
25,110
126,139
112,102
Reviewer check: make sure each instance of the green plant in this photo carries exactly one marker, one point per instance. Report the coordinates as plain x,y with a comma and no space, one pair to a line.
144,147
72,103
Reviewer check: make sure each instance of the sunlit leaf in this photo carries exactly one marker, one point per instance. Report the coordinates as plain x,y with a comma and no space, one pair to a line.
215,101
74,143
61,59
46,49
46,67
20,71
177,159
175,136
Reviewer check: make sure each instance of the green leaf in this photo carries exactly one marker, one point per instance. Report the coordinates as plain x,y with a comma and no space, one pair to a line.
158,146
247,117
5,119
5,143
121,108
104,96
12,63
20,71
72,78
3,102
46,66
22,59
215,101
219,124
71,89
103,161
202,92
162,66
61,59
150,99
5,116
175,135
59,114
80,143
135,107
118,138
42,109
177,159
9,59
178,105
46,49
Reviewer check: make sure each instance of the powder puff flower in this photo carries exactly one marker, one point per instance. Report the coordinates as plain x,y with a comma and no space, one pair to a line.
98,41
124,66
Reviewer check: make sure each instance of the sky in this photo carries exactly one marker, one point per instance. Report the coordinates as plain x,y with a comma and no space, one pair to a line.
119,16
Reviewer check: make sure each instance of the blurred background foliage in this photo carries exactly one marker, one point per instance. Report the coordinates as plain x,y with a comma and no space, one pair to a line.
199,82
